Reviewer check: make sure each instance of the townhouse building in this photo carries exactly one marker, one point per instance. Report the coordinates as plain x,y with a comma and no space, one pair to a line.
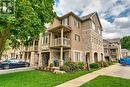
69,38
125,53
112,49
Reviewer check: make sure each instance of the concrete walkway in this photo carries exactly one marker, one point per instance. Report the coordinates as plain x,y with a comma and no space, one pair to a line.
114,70
16,70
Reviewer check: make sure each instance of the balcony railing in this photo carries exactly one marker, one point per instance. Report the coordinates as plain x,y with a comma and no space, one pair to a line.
57,42
29,48
113,53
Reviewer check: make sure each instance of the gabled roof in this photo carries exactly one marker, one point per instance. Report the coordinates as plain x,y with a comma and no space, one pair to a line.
87,16
116,40
70,13
82,19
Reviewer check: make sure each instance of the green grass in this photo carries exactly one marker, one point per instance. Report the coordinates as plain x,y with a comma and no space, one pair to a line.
107,81
37,78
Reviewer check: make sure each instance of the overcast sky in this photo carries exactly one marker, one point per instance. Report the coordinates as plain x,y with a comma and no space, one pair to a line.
114,14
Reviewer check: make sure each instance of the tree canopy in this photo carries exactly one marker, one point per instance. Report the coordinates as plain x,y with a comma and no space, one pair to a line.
125,42
27,22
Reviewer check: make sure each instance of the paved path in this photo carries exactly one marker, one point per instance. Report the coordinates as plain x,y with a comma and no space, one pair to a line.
16,70
114,70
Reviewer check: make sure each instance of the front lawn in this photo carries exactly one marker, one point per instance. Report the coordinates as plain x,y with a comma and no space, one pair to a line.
107,81
37,78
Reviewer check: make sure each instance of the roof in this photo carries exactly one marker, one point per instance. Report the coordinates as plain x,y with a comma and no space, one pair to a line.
82,19
116,40
87,16
124,50
70,13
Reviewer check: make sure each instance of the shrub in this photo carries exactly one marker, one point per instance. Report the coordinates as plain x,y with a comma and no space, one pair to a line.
51,65
103,64
110,62
65,68
72,65
80,65
94,65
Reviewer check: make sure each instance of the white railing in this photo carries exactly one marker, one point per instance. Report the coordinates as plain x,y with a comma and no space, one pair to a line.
66,42
57,42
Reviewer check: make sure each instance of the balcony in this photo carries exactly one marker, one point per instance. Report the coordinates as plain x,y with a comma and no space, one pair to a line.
57,42
30,48
113,53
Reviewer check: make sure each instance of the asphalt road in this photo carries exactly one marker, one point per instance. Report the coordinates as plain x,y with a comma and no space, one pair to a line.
16,70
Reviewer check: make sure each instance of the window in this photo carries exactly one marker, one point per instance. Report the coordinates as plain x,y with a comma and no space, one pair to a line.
93,26
77,23
65,21
77,56
99,31
77,37
36,42
45,39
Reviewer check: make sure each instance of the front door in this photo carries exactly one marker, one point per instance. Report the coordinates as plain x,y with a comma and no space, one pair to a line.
45,56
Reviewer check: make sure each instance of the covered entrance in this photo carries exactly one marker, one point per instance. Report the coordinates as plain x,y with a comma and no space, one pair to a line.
95,57
45,58
59,57
107,58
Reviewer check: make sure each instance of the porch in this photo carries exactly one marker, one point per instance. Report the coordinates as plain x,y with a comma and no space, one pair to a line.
55,57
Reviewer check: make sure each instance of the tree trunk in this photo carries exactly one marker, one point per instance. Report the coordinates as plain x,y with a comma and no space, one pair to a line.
2,46
4,35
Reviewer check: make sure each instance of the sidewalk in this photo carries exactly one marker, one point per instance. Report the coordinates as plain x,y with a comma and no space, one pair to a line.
85,78
16,70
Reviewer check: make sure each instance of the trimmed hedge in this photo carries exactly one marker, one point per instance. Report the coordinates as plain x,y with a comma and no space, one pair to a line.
70,67
110,62
73,66
65,68
95,65
103,64
81,65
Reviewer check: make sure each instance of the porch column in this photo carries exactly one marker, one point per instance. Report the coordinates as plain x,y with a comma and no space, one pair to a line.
69,55
62,37
23,56
51,39
32,60
40,64
50,59
33,45
91,57
27,56
61,56
40,43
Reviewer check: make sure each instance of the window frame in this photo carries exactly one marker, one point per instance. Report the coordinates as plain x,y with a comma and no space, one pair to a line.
77,56
77,37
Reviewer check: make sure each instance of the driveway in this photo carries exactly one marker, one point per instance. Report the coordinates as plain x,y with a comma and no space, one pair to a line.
114,70
16,70
117,71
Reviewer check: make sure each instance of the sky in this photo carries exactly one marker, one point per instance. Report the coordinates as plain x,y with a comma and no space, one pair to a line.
114,14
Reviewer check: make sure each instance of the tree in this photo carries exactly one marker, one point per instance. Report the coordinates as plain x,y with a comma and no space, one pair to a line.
125,42
27,22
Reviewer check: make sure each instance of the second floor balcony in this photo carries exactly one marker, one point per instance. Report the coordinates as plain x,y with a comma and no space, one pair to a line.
29,48
113,53
60,36
58,42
